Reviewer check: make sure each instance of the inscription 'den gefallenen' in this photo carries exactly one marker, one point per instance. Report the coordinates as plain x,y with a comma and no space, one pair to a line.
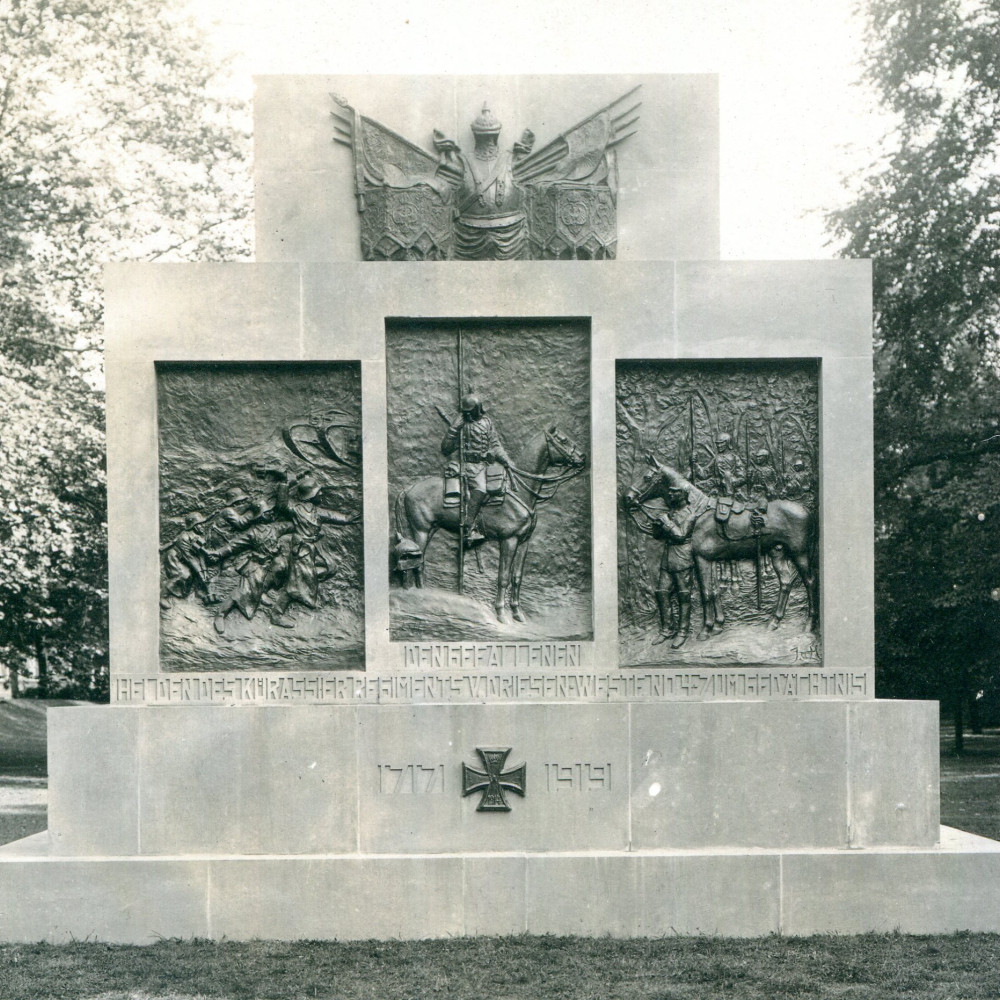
611,686
491,655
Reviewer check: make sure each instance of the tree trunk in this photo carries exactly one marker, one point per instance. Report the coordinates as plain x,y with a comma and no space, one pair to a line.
975,719
43,667
15,690
959,698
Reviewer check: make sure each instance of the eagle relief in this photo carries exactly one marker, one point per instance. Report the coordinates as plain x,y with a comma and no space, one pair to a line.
492,202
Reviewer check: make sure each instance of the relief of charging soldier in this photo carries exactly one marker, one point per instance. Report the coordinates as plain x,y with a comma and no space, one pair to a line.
184,566
273,539
287,556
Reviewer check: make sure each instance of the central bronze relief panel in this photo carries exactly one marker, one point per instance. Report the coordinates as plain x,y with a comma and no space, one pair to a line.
489,483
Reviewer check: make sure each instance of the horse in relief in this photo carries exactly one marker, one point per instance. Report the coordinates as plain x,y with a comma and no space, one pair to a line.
787,534
420,511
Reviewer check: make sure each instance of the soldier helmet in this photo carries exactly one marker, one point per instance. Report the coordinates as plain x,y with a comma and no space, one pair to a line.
486,123
722,439
192,520
762,455
799,465
306,487
235,495
675,493
471,404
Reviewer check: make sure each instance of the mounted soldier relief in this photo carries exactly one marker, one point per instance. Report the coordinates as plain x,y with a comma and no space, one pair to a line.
718,536
489,502
495,201
261,540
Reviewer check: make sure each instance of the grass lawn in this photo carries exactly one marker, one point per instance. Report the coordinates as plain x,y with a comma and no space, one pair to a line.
22,738
874,967
23,768
970,783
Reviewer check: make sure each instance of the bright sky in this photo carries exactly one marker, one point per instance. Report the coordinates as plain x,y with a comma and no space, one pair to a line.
793,125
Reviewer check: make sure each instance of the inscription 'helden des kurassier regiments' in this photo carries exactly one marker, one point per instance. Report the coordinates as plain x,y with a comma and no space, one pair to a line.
494,202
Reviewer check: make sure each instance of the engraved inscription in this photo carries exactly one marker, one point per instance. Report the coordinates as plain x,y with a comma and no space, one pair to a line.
578,777
411,779
489,656
447,688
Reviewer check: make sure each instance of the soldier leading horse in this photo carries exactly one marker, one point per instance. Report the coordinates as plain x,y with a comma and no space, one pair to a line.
420,511
787,534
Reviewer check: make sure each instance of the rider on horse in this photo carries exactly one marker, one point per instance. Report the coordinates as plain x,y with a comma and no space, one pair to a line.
730,475
481,447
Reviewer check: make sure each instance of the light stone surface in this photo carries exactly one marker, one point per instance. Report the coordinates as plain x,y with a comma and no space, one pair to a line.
343,898
728,893
387,779
917,893
107,899
722,895
305,208
93,805
202,781
324,312
576,782
894,766
757,776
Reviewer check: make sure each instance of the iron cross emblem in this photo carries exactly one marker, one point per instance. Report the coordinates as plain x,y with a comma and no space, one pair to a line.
493,779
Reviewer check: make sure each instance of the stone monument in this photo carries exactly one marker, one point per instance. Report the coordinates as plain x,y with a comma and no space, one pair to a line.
491,545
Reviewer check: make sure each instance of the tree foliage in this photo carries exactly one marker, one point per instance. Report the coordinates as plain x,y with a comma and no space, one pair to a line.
113,145
929,216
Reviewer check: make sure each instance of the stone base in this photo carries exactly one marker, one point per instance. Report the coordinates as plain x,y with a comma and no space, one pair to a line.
387,779
644,893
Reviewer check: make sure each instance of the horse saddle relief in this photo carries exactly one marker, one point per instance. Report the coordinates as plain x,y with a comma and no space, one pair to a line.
496,485
724,506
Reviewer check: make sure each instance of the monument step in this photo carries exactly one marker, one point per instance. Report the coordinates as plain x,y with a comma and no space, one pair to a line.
626,894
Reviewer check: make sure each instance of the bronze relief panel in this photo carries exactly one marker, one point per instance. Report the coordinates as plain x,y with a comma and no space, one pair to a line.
261,533
489,484
718,534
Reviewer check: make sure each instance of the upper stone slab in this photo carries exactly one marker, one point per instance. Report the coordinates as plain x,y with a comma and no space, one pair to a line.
352,168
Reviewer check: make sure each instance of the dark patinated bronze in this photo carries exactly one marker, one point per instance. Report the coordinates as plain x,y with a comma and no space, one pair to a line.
488,431
715,465
261,498
493,780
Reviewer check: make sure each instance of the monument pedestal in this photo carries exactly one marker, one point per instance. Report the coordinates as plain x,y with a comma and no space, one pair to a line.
347,822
